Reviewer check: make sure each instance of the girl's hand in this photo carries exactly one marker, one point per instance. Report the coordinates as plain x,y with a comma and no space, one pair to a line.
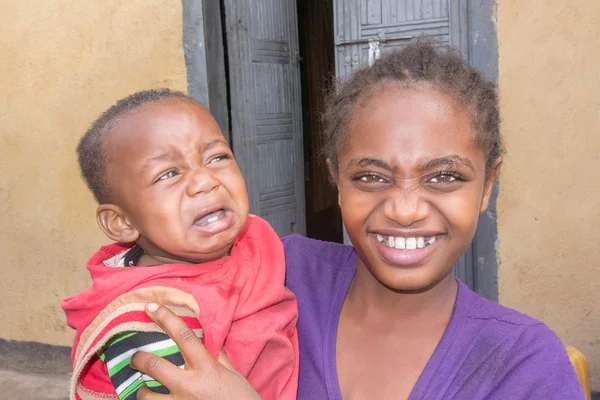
203,376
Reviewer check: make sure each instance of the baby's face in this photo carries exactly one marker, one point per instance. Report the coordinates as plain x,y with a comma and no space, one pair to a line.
175,178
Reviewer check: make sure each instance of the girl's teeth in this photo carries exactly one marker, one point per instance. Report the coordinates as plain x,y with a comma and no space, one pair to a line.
402,243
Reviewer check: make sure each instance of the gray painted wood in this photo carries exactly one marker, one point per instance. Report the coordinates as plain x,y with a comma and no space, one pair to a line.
266,119
483,54
195,50
204,58
394,23
215,65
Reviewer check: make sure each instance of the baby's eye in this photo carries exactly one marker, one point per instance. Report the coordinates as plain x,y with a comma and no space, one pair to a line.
218,158
167,175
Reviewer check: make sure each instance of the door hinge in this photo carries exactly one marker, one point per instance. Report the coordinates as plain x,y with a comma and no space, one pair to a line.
374,51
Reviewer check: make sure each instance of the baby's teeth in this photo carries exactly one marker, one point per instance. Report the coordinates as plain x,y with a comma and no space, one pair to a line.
391,241
400,243
420,242
379,238
411,243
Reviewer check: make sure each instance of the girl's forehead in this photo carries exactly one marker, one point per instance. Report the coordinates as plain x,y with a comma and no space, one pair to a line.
410,126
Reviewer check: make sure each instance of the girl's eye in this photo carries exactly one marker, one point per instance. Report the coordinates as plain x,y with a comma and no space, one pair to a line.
370,181
167,175
445,178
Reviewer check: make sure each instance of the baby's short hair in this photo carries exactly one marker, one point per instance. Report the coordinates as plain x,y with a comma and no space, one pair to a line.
91,152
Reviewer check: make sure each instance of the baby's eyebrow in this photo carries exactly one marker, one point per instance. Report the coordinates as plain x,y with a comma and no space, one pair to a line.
164,155
449,162
208,145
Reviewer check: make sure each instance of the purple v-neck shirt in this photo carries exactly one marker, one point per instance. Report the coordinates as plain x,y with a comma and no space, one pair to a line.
487,352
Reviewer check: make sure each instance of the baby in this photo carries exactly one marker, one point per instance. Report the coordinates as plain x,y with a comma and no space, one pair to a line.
173,199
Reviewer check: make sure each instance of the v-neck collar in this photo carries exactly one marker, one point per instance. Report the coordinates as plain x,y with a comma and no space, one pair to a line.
423,384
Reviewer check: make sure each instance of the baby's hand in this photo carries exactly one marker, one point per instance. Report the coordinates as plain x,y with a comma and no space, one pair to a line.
202,378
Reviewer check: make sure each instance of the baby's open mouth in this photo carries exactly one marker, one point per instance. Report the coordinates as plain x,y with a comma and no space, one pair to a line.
210,214
211,217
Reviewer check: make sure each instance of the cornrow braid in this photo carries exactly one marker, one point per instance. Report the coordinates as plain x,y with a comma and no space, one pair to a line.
423,61
90,151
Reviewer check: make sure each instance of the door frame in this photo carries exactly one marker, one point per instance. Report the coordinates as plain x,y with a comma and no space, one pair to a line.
207,80
482,50
205,58
483,55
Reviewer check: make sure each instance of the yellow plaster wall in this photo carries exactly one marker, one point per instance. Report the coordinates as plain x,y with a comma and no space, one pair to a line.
549,203
62,62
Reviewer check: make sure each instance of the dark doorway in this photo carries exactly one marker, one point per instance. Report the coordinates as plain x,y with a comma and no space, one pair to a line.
317,68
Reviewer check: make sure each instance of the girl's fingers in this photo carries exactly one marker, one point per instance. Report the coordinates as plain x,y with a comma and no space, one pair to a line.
159,369
224,360
193,351
144,393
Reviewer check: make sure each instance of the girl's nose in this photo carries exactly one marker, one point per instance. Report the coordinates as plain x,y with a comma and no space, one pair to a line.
406,207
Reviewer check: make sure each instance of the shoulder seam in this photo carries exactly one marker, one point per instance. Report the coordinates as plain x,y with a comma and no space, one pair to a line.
534,323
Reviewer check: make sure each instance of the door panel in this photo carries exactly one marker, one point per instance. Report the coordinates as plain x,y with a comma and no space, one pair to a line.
262,42
392,24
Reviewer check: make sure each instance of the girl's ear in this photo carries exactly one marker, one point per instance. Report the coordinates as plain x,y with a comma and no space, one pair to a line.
333,173
115,224
489,184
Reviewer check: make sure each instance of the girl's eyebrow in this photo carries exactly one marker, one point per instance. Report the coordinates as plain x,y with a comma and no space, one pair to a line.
369,162
451,161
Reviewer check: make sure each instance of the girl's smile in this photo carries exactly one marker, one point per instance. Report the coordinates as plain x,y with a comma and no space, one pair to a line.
406,251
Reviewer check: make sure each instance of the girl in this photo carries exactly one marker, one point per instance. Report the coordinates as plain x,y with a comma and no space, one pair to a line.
414,147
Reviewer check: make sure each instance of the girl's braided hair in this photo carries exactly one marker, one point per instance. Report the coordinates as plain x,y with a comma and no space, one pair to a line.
424,61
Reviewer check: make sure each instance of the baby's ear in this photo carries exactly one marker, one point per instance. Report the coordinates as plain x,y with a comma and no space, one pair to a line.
115,224
489,184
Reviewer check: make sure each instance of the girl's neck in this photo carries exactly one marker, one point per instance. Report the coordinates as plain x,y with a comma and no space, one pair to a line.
370,299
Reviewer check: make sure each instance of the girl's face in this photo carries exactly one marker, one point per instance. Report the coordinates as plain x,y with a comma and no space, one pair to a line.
411,185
